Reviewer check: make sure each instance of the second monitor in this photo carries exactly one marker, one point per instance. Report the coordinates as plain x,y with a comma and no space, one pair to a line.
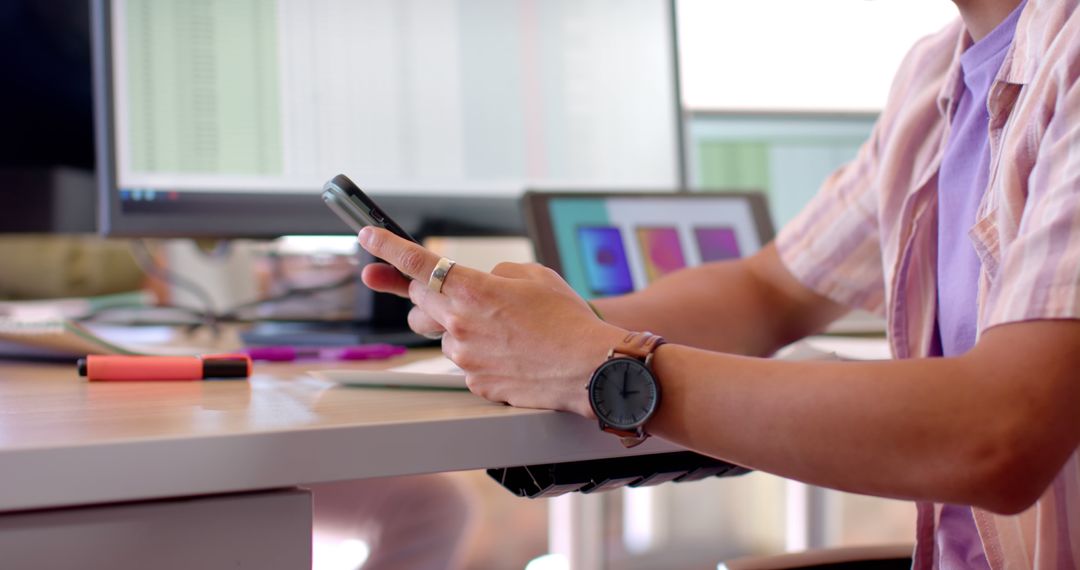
614,243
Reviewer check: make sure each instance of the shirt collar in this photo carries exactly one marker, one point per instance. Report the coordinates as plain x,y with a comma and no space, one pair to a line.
951,88
1040,23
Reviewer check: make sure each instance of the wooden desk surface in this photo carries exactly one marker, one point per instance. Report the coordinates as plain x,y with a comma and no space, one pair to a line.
64,441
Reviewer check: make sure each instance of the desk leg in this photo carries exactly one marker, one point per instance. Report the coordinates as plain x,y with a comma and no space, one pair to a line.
810,518
267,530
576,530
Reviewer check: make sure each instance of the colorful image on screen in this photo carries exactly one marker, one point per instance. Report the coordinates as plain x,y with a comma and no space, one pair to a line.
605,260
717,244
661,251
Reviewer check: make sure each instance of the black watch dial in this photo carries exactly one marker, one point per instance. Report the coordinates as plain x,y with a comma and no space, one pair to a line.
623,393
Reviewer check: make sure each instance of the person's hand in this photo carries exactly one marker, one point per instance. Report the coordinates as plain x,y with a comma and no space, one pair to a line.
520,333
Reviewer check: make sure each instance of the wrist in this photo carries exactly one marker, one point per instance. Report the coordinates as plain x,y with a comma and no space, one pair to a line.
623,391
659,355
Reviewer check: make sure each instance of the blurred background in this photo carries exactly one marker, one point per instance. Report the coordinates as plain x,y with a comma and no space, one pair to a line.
145,140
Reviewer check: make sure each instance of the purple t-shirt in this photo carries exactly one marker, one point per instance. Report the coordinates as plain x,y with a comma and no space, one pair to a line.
965,172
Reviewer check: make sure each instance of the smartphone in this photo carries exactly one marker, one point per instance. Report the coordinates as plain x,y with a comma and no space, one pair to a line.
357,209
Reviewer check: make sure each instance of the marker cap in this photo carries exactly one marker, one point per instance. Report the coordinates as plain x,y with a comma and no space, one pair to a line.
227,367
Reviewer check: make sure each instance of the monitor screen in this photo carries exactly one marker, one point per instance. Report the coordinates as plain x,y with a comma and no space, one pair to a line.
224,117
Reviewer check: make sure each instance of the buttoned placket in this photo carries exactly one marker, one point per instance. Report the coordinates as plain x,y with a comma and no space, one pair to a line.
984,233
919,240
921,205
915,207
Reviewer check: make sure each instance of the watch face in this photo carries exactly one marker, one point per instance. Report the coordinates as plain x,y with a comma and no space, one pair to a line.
623,393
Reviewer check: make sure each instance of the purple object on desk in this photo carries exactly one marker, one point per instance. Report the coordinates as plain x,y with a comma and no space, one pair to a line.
291,353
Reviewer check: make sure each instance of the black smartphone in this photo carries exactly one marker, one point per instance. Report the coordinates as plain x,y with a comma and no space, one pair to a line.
356,208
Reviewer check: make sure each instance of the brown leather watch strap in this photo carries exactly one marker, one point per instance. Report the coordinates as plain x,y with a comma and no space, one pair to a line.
638,344
630,439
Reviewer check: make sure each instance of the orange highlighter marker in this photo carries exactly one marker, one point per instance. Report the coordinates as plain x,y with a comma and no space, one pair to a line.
98,367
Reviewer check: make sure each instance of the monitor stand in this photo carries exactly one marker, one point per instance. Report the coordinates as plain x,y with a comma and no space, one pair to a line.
47,200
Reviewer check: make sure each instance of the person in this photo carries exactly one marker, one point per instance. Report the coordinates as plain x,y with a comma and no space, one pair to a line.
959,219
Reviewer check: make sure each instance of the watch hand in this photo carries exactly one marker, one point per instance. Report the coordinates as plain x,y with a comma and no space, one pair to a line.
631,392
622,391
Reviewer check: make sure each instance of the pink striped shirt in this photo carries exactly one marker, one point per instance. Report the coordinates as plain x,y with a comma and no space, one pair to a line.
869,238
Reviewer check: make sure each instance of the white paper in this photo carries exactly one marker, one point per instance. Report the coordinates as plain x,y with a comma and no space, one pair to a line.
852,348
438,372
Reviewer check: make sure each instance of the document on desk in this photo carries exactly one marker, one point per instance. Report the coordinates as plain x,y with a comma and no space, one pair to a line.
836,348
48,336
437,373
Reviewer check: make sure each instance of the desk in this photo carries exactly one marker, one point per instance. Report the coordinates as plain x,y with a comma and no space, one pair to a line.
66,442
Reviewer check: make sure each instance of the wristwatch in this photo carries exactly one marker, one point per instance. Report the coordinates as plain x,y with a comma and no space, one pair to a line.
623,391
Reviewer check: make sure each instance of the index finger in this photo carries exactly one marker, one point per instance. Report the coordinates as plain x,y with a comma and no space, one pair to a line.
410,258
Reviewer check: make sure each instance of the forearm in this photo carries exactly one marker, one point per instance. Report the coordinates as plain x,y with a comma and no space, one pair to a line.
990,428
749,306
930,429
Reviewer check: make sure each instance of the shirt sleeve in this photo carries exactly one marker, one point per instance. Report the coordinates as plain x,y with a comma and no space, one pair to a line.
1039,273
833,246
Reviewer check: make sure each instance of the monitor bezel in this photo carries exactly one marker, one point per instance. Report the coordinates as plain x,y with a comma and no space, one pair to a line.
261,215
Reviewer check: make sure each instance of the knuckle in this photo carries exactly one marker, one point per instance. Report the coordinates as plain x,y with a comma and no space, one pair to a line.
419,321
544,272
411,262
504,268
417,291
460,358
455,325
466,359
477,386
452,349
449,350
467,292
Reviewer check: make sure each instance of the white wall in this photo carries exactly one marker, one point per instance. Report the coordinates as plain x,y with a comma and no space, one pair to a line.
798,55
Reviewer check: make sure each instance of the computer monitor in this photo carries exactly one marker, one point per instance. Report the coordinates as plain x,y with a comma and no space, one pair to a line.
613,243
224,118
47,142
